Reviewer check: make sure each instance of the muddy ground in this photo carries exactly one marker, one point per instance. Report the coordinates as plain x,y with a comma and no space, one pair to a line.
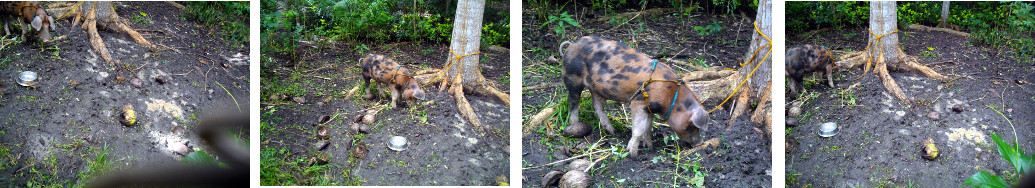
879,142
443,149
51,133
743,158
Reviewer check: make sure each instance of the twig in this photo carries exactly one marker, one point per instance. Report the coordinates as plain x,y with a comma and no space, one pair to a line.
568,159
1007,121
595,162
541,86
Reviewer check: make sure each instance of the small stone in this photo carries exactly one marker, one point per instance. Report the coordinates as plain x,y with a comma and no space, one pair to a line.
319,103
957,108
182,149
321,145
137,82
933,115
49,69
299,100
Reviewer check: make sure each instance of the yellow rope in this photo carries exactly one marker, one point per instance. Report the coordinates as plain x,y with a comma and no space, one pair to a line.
72,10
769,44
872,43
455,58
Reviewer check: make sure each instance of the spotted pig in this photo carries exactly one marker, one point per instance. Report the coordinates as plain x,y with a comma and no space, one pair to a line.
612,71
40,23
386,71
802,60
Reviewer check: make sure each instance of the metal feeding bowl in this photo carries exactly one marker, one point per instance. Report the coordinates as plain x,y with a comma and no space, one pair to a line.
28,78
397,143
828,129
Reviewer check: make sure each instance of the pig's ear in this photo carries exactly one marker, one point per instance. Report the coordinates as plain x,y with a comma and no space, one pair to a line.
37,23
700,118
51,23
418,94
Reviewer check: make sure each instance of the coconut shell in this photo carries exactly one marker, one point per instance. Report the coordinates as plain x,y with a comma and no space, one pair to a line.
929,151
576,130
322,158
360,150
368,119
579,165
551,178
575,179
323,133
128,117
364,128
323,119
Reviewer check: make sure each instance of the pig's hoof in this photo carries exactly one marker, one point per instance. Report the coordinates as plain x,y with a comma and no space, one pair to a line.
576,130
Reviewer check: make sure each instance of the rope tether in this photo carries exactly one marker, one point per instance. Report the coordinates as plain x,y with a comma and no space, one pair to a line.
643,90
770,44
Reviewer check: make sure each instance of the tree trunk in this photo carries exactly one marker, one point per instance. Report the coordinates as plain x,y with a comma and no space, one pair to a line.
945,15
462,65
466,39
884,48
759,63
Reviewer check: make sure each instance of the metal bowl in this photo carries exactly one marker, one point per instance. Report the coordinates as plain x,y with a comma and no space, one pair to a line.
397,143
27,78
828,129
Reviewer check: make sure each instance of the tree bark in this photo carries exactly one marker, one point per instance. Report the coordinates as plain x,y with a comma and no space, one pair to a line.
759,63
884,48
464,70
945,15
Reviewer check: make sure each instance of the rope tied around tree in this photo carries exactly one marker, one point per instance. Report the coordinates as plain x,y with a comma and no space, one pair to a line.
869,62
770,51
449,65
71,10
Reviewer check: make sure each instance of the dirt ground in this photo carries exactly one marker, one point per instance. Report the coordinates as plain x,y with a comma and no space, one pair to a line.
879,144
743,158
53,132
443,149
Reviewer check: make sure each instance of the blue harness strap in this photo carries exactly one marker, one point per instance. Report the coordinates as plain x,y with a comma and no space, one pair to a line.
397,74
670,106
649,80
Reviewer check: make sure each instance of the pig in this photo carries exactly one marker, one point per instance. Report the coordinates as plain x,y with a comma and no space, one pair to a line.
40,23
386,71
802,60
611,70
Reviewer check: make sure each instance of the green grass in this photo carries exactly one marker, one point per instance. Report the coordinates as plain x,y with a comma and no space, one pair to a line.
230,16
98,165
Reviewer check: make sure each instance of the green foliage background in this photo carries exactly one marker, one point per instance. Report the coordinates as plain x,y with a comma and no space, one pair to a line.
284,22
230,16
998,25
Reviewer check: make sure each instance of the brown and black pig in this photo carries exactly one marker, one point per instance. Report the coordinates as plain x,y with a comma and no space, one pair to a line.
612,71
802,60
40,23
386,71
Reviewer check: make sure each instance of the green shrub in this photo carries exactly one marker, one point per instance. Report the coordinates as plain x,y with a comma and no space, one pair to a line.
230,16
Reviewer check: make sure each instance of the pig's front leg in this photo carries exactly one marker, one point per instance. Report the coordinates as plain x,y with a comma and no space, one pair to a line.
641,125
395,95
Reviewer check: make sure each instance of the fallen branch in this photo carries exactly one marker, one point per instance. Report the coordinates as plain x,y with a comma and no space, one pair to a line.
538,119
711,142
573,158
542,86
950,31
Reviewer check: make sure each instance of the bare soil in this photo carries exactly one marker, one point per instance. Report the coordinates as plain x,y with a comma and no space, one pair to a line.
879,140
443,149
52,131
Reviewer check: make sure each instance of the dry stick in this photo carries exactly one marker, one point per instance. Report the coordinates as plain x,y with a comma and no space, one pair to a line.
541,86
595,162
568,159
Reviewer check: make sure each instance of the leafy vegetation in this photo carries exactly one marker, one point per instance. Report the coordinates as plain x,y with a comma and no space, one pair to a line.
1022,164
1005,26
230,16
285,22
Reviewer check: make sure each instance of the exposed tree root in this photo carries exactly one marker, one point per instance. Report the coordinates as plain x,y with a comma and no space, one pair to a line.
741,105
712,92
950,31
99,14
537,119
764,109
